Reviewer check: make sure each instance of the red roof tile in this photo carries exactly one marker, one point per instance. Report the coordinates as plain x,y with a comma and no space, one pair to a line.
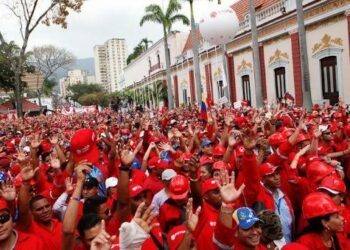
188,44
27,106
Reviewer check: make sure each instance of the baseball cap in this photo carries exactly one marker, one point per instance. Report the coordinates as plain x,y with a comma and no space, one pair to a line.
175,236
179,187
245,217
168,174
205,160
83,145
162,164
152,163
208,185
267,169
90,182
240,151
206,142
111,182
134,190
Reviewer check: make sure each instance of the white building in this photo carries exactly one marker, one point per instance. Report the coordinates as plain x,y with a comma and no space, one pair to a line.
110,59
327,25
74,77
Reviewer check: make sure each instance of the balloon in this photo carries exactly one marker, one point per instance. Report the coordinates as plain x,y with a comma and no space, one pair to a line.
219,24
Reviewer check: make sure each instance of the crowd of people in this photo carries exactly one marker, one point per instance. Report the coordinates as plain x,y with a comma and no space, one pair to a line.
274,177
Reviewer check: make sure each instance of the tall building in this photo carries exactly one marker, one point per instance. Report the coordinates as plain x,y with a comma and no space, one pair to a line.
74,77
110,59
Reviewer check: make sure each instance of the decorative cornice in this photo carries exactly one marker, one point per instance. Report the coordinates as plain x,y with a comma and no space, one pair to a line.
244,65
279,56
327,42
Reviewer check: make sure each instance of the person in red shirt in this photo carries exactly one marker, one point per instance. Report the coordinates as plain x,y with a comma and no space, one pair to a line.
11,239
172,212
153,183
325,223
35,214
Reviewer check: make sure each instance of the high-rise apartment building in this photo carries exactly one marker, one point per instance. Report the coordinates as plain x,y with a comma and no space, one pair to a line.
110,60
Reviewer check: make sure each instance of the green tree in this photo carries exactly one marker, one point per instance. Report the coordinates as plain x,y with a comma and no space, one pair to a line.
145,43
80,89
155,14
97,98
9,53
30,13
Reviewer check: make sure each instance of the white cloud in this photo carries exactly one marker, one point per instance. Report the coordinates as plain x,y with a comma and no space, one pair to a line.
98,21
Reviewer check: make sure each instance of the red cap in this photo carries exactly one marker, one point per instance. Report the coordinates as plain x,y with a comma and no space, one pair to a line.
83,145
152,163
179,187
317,170
208,185
175,236
318,204
276,139
46,146
187,156
267,169
154,139
3,204
219,150
134,190
162,164
316,107
219,165
240,151
205,160
125,131
347,130
333,184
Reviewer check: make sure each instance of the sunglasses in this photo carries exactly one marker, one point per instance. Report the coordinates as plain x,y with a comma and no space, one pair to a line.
4,218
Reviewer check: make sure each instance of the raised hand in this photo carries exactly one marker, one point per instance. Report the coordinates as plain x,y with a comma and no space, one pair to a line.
249,141
193,164
232,140
165,147
144,217
27,173
69,185
103,241
55,163
126,157
36,141
82,169
54,139
192,218
228,191
8,191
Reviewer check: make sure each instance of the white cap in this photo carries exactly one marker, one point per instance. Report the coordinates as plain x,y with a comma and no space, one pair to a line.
168,174
111,182
26,149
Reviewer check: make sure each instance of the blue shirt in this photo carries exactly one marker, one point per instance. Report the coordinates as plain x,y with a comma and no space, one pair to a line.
282,210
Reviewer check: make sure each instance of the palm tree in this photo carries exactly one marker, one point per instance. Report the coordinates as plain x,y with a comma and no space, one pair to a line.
155,14
145,43
307,99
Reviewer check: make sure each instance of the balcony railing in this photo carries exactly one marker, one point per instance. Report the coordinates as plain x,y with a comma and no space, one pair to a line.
265,15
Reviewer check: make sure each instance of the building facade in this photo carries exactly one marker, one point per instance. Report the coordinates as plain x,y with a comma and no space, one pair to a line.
110,60
74,77
230,72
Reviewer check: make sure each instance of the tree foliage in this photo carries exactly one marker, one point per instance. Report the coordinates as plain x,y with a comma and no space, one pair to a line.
99,98
155,14
30,13
81,89
48,59
138,50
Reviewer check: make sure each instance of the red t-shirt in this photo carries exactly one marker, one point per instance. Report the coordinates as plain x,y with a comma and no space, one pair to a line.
28,241
52,238
205,227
